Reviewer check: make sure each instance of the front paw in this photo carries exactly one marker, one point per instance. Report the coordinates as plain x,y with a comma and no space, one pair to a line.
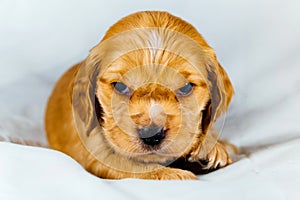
172,174
216,158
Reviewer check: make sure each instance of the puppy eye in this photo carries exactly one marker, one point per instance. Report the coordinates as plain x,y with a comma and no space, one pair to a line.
121,88
185,90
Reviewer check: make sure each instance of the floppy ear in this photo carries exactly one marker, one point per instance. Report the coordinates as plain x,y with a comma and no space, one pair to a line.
221,92
86,108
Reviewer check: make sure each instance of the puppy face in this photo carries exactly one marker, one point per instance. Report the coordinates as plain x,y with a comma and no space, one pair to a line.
159,87
152,110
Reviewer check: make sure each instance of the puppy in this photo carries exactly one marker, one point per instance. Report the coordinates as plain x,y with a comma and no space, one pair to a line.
143,102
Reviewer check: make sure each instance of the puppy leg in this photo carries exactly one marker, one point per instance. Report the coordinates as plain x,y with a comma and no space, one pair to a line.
168,173
154,171
211,153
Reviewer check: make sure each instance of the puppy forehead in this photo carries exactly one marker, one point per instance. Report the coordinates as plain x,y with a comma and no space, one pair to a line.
143,46
139,76
138,67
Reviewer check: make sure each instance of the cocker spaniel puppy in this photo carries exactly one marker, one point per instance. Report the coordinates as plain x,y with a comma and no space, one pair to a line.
143,102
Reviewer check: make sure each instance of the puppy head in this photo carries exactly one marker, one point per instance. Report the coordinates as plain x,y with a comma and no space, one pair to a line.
151,111
158,84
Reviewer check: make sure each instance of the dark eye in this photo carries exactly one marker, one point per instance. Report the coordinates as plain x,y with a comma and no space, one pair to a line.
121,88
185,90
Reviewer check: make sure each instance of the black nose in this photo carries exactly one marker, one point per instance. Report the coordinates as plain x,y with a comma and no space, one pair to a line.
152,135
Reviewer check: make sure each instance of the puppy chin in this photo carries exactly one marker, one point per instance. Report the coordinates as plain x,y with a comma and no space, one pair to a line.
155,158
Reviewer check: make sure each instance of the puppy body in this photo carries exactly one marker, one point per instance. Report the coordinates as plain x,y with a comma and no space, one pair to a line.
154,54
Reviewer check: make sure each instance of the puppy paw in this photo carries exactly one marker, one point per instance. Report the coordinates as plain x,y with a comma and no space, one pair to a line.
218,157
173,174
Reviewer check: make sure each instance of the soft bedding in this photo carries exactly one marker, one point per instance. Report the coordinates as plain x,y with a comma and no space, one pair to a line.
258,44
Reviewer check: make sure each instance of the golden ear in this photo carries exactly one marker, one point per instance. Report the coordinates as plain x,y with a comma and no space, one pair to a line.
86,107
221,92
226,89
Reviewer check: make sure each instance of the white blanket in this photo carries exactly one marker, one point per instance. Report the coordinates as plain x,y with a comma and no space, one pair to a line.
256,41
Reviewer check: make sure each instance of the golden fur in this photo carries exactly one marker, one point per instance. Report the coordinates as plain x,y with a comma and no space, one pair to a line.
154,54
